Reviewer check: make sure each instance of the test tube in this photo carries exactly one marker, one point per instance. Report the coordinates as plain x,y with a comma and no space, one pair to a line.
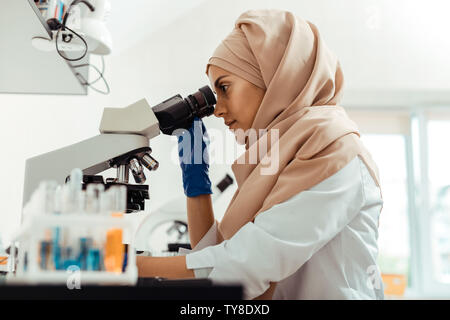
93,259
47,194
58,200
106,202
114,249
71,248
114,200
56,236
119,198
95,197
89,246
56,248
72,192
76,179
85,244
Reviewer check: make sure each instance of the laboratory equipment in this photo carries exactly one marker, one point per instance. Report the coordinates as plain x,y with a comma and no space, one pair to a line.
123,144
69,232
76,26
72,219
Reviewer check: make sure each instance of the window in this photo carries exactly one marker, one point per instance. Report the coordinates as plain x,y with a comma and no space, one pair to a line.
410,147
439,195
389,153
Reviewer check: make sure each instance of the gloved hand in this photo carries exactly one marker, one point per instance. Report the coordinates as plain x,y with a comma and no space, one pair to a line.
194,159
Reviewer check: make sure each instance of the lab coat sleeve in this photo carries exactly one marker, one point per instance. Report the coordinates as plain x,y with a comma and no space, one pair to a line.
209,239
283,238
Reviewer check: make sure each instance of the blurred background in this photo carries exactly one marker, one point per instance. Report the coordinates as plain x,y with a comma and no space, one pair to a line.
396,61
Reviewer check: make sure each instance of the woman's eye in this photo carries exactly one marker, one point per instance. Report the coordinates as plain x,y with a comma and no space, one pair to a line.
223,87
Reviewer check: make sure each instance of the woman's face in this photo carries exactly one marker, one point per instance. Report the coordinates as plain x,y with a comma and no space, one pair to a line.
238,100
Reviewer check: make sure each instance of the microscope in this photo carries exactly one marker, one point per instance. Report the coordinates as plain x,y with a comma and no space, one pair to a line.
55,240
123,144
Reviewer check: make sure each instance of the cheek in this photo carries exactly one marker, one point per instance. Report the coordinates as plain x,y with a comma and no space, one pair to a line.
243,108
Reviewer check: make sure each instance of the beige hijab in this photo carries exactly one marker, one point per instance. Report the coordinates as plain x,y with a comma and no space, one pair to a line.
285,55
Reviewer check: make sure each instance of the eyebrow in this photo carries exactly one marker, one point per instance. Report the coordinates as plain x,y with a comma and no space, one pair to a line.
216,83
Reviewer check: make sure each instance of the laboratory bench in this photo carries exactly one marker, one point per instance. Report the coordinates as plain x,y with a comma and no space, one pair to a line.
145,289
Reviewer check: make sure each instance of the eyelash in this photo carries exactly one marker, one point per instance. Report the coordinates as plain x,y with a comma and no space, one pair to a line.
221,86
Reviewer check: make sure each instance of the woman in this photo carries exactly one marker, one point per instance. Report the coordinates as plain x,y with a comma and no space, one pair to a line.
308,228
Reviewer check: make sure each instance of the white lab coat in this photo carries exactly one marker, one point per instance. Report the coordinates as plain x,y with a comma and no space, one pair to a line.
319,244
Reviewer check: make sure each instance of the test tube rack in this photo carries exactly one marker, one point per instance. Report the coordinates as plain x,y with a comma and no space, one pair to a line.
26,266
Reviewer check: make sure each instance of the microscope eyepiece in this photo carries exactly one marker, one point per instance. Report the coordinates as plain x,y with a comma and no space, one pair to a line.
203,102
176,112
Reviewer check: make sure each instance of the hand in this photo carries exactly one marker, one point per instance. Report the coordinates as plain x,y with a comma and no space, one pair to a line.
194,159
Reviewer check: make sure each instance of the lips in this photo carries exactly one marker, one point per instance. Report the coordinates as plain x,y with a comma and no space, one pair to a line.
229,123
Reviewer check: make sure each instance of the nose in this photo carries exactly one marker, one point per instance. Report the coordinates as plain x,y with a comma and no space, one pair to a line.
219,110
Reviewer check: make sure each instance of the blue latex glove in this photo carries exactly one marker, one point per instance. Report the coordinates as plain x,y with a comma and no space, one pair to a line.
194,159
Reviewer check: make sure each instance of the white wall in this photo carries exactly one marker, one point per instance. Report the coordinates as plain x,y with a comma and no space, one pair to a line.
382,45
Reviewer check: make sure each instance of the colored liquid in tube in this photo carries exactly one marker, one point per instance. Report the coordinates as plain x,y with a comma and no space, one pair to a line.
93,260
56,248
114,249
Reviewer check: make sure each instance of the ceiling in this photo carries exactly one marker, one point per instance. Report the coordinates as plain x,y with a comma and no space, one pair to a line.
132,21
